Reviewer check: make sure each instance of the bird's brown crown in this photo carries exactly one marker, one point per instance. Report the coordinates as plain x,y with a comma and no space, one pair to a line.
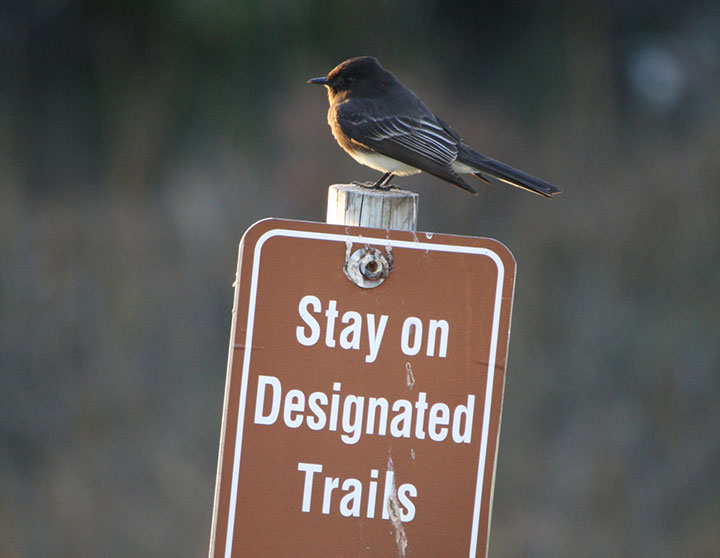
363,74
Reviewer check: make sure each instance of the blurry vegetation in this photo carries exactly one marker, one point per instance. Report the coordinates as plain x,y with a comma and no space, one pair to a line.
138,140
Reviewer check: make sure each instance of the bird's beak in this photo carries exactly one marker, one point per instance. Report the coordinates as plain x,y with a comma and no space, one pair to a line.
318,80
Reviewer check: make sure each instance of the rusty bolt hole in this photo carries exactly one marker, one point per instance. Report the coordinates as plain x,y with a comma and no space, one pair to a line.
367,267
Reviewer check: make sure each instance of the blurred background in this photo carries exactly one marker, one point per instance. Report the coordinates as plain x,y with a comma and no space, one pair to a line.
138,141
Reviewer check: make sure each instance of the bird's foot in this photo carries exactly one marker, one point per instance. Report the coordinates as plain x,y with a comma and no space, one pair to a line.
372,185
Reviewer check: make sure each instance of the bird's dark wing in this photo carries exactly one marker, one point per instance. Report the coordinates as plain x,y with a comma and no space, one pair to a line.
422,143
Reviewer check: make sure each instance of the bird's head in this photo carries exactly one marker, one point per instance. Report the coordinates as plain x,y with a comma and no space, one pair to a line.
362,76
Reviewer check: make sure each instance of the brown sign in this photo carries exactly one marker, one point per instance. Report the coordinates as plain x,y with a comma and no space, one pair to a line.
362,420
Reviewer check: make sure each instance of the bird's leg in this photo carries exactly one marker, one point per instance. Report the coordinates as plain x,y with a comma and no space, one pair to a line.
379,185
384,179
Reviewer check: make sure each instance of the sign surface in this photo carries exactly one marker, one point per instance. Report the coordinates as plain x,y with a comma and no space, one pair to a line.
362,422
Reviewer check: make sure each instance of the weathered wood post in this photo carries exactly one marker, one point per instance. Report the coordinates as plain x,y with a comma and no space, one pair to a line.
351,204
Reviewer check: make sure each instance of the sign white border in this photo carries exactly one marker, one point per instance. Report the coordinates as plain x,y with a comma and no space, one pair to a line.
413,245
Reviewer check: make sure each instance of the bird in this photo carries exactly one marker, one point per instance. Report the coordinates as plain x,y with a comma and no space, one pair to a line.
382,124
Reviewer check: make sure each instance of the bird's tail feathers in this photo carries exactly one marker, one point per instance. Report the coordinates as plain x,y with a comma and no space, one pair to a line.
506,173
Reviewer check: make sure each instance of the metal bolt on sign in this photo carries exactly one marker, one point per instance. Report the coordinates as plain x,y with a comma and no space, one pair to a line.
367,267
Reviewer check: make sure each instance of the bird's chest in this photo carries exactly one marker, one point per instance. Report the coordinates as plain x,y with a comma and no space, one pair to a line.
337,132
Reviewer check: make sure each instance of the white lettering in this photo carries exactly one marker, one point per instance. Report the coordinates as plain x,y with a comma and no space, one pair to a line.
411,324
439,417
350,503
389,490
375,336
420,406
330,485
294,403
404,493
433,328
372,497
316,399
400,426
350,335
335,403
312,338
352,426
352,489
309,469
274,383
354,415
467,412
331,314
373,404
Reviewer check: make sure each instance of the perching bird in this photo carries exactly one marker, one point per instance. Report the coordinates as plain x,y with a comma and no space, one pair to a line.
382,124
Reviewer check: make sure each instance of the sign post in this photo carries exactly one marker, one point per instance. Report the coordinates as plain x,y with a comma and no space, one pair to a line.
361,417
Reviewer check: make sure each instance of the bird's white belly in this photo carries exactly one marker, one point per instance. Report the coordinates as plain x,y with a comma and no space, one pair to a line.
462,168
382,163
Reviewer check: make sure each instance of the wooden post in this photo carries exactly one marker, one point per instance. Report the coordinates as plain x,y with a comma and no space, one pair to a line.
350,204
